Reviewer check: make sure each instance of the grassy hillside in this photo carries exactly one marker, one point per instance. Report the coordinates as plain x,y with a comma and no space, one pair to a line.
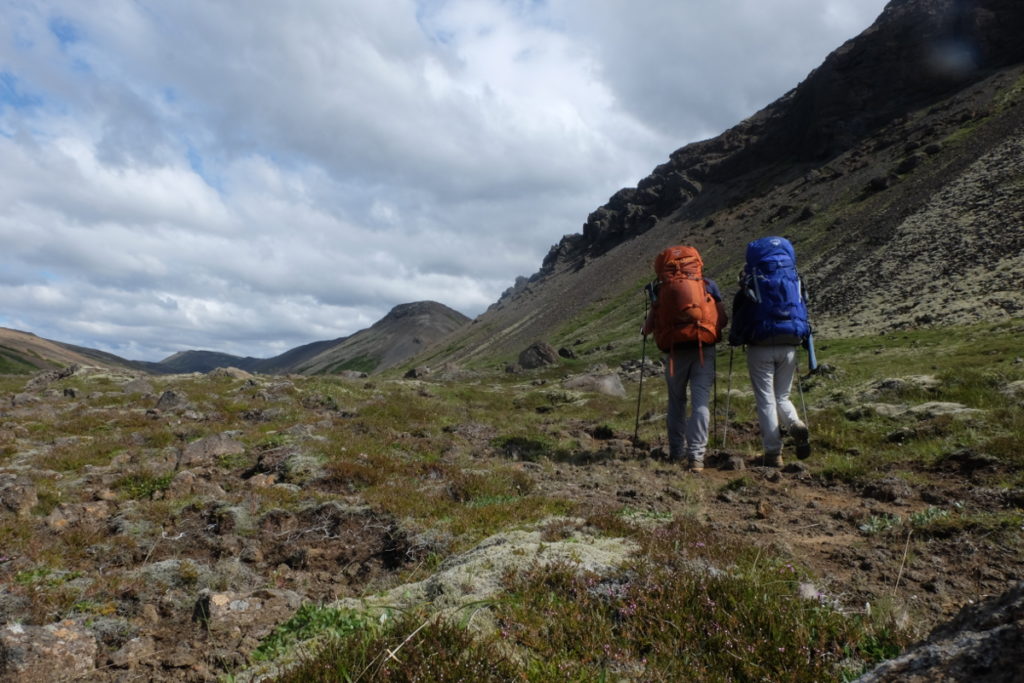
12,362
916,224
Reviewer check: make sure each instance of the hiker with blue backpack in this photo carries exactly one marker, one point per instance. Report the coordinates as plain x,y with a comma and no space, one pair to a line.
769,317
686,319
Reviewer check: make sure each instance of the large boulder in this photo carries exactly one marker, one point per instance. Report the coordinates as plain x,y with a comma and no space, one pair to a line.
205,451
538,355
982,643
172,400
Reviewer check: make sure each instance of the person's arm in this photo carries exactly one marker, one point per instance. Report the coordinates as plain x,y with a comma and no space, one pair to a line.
716,294
648,327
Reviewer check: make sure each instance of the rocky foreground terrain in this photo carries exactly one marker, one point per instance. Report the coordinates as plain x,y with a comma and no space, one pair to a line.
160,528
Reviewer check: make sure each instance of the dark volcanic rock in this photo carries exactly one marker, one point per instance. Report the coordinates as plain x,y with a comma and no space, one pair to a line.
983,644
538,355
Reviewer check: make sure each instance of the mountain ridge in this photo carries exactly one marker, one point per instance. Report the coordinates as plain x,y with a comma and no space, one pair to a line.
403,331
917,178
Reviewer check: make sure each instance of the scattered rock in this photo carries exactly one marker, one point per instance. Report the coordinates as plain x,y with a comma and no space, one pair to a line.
1014,389
935,408
969,461
538,355
76,515
608,384
299,468
64,651
909,163
138,385
896,385
352,374
194,483
133,653
172,400
798,468
17,494
887,490
871,409
877,184
901,435
245,615
205,451
47,377
476,575
232,372
23,399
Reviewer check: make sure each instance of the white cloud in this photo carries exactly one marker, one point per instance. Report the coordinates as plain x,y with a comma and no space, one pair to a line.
250,176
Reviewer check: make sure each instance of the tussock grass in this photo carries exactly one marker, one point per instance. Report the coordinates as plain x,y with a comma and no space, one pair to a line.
410,646
687,608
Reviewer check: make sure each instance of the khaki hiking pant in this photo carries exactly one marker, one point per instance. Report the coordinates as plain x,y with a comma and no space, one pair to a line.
688,434
771,375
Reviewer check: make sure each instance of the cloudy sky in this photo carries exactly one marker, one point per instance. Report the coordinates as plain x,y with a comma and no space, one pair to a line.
247,176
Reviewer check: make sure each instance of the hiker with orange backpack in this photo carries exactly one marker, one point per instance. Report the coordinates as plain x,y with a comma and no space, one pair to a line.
769,316
686,319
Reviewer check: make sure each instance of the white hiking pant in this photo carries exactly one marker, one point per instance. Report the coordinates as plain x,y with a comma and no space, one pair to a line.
688,434
771,375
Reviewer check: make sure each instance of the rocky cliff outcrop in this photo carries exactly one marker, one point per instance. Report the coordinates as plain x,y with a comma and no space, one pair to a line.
916,52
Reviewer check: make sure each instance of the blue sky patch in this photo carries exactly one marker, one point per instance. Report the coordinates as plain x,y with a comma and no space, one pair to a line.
64,31
12,94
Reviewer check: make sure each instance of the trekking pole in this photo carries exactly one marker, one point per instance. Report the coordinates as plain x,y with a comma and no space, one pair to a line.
728,397
812,367
640,389
803,403
714,409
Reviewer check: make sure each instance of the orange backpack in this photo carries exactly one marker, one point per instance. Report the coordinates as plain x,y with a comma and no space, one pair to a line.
683,309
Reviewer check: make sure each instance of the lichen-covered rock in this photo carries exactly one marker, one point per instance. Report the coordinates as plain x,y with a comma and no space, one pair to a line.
205,451
76,515
193,483
608,383
253,614
63,651
17,494
232,372
138,385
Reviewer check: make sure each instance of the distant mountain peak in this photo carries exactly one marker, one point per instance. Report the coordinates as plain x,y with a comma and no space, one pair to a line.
420,308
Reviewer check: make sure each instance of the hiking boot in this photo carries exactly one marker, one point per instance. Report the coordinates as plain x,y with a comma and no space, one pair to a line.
801,440
771,460
695,467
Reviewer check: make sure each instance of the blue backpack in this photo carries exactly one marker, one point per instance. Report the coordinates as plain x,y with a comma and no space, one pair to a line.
775,290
